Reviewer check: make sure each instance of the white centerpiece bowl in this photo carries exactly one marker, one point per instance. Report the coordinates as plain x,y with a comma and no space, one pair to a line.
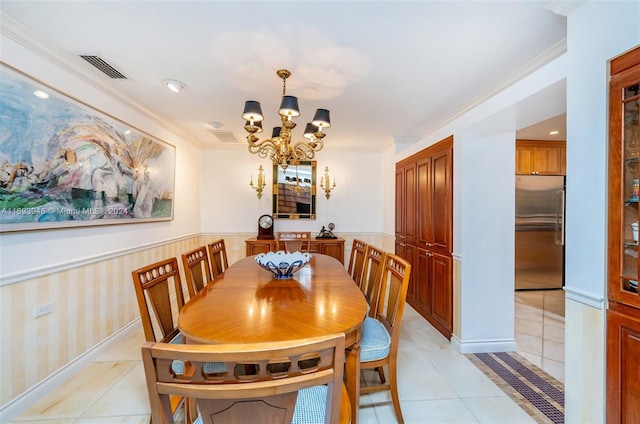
283,264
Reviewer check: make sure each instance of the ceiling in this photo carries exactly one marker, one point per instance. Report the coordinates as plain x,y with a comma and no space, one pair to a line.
387,70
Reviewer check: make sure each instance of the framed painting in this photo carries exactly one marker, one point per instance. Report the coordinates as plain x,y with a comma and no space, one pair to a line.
65,164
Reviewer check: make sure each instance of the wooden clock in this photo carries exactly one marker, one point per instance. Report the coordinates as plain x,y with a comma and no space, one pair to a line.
265,227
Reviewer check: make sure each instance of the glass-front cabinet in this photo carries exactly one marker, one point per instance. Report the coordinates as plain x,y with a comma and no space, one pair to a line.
623,307
624,186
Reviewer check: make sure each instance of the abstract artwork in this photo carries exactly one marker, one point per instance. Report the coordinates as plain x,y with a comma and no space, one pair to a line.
65,164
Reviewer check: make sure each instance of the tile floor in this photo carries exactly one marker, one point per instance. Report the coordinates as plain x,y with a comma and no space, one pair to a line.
437,385
539,328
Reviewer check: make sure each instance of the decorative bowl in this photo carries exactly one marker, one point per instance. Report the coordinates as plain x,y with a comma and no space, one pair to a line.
282,264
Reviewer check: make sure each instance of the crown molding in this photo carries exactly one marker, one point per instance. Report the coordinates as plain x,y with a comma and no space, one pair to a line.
564,7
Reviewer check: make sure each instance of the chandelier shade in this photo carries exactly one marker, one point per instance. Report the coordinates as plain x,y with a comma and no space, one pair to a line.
280,148
289,106
252,111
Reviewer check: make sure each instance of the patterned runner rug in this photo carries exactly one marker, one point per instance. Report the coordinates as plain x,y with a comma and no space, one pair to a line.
535,391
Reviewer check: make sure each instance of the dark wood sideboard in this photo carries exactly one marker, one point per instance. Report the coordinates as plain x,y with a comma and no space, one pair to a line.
331,247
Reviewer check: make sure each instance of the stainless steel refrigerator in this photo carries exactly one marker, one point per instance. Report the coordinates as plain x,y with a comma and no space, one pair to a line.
539,232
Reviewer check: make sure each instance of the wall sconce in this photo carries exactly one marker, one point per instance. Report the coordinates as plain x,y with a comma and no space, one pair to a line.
260,184
325,182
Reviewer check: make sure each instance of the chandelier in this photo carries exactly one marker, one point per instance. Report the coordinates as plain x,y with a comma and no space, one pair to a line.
279,148
294,185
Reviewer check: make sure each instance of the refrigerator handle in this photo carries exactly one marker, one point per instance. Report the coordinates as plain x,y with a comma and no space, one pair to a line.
560,217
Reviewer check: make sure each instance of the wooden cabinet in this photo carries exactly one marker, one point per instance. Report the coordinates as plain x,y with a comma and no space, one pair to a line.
331,247
428,177
623,315
540,157
406,202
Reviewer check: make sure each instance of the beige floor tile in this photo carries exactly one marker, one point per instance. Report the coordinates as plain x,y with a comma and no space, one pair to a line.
128,349
533,298
73,398
43,421
534,359
127,397
529,313
553,332
452,411
140,419
553,368
497,410
530,344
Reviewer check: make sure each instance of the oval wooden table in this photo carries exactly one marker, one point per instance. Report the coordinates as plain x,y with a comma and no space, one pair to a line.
247,305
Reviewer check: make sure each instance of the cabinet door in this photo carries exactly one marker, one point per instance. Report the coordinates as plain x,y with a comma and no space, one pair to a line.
410,203
400,203
524,160
549,160
443,291
333,248
407,252
259,246
624,117
424,202
623,368
442,211
423,277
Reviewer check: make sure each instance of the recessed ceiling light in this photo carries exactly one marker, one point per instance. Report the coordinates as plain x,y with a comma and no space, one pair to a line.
215,125
175,86
554,132
41,94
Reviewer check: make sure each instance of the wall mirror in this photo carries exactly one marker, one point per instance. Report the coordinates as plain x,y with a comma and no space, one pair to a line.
294,191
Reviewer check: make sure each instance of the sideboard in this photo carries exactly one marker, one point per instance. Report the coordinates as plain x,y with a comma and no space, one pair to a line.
331,247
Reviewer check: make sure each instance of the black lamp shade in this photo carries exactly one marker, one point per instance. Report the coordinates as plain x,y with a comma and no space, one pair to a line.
309,130
252,111
321,119
289,106
276,132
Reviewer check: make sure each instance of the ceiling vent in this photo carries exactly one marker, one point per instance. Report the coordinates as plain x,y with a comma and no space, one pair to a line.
225,136
103,66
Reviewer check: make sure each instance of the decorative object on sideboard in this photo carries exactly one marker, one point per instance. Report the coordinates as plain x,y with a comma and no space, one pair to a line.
325,183
265,227
279,147
260,184
282,264
327,234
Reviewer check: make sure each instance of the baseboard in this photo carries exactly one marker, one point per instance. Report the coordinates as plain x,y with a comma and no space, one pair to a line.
483,346
15,407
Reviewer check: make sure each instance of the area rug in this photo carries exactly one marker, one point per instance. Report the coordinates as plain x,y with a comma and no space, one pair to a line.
535,391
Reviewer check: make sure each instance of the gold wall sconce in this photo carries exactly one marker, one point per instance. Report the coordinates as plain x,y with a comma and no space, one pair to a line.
325,183
260,183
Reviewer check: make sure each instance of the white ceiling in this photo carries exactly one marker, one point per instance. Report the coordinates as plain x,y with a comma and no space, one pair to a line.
385,69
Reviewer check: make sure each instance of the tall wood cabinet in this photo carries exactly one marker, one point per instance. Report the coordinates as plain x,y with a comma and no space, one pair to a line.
623,314
424,227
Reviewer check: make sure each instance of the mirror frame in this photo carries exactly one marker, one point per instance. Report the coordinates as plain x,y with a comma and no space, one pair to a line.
312,214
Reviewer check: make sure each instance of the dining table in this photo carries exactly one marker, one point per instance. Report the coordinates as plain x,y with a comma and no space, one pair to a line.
246,304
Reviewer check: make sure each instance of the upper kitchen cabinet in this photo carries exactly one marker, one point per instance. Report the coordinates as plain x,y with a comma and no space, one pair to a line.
540,157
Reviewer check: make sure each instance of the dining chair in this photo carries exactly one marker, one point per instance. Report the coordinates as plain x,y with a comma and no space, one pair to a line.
356,260
381,335
372,277
152,287
296,381
196,269
218,257
293,241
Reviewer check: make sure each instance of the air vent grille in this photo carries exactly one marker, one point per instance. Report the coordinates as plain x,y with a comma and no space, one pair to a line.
225,136
103,66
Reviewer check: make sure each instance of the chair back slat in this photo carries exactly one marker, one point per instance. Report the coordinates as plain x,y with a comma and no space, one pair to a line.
356,261
153,292
372,277
196,269
393,294
219,260
294,241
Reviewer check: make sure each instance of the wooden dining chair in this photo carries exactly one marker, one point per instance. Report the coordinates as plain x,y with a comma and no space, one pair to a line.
218,257
196,269
356,260
293,241
372,277
381,335
284,382
152,287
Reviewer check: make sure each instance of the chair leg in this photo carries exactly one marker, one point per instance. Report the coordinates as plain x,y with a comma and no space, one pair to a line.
381,375
393,386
